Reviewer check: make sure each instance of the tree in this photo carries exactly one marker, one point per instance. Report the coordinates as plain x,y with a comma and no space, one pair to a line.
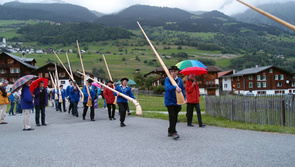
139,79
123,59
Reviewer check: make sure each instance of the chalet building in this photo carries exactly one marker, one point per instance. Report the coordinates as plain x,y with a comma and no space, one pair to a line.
262,80
62,75
208,83
13,67
225,82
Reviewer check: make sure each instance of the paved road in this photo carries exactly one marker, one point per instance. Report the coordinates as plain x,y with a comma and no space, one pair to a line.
70,141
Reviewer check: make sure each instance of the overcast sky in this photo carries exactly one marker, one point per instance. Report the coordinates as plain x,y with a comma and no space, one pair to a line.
229,7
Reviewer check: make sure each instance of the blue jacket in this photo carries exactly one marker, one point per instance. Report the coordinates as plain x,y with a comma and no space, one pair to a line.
11,98
68,94
37,96
170,95
63,94
26,98
92,93
127,91
75,94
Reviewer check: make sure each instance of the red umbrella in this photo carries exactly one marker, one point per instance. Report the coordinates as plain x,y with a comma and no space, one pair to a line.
194,70
35,84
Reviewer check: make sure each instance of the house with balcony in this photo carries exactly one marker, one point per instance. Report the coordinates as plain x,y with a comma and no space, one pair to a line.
263,80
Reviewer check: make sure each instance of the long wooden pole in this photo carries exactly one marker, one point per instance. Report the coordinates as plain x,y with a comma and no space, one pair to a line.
110,76
135,102
69,65
179,95
89,102
53,83
71,76
57,80
292,27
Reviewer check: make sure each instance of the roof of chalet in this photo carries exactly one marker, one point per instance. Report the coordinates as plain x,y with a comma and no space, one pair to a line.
213,69
21,60
256,70
223,73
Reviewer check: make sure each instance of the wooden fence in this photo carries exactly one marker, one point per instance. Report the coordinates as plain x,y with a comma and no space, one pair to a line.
267,109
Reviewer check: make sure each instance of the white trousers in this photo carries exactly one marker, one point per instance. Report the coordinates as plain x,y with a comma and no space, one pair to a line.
26,119
3,108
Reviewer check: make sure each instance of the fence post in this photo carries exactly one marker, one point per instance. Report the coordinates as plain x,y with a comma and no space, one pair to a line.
232,110
284,113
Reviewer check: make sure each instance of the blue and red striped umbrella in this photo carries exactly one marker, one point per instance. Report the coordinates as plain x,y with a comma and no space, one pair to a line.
21,81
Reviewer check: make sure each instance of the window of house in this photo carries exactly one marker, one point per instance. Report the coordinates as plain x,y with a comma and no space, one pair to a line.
279,84
276,77
293,84
250,77
250,85
62,74
2,71
238,78
10,61
225,85
270,70
264,84
282,77
206,82
46,75
258,77
238,85
263,77
258,84
2,79
225,79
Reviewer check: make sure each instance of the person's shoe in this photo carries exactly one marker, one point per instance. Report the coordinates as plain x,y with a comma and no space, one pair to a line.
77,115
44,124
114,118
56,110
169,134
110,119
3,123
93,120
190,125
83,117
38,124
129,113
28,129
175,136
202,125
122,124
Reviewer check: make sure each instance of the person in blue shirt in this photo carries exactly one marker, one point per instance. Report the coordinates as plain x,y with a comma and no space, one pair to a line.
12,102
121,101
75,97
54,97
26,105
87,97
63,96
171,101
68,94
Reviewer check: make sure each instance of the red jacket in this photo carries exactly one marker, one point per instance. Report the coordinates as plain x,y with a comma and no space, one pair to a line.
108,95
192,92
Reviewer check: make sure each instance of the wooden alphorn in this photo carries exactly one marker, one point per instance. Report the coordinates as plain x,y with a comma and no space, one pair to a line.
135,102
292,27
105,61
53,83
179,95
69,66
89,102
71,75
57,81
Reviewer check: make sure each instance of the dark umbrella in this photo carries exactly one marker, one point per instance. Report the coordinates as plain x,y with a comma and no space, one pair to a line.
21,81
35,84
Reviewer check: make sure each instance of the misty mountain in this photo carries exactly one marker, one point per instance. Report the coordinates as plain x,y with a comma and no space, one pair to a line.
283,11
58,12
97,14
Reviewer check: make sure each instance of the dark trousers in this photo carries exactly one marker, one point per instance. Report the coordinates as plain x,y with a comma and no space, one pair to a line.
91,110
173,116
70,106
75,108
37,114
56,104
190,110
122,110
111,110
18,108
11,108
63,104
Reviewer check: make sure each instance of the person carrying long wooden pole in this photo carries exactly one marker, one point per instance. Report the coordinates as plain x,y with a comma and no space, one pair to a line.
61,93
111,100
88,91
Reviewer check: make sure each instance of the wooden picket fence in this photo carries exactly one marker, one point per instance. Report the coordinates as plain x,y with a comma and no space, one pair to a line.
266,109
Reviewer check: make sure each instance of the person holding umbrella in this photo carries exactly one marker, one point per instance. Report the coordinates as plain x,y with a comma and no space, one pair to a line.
110,98
40,101
26,105
3,101
193,97
171,100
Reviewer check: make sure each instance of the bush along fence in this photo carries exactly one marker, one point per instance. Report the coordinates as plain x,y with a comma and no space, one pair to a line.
267,109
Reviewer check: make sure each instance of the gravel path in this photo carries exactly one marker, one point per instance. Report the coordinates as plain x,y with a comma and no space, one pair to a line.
70,141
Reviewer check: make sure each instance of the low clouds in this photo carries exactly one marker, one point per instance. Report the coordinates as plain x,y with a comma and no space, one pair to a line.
229,7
